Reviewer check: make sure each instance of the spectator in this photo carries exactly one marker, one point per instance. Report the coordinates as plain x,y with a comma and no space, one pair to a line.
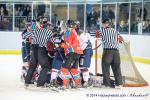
144,13
5,11
140,26
98,22
26,11
122,27
22,25
94,16
20,11
149,25
1,11
145,26
5,24
9,10
107,13
54,19
89,15
17,11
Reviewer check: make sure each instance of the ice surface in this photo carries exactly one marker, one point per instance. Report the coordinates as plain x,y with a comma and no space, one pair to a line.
11,88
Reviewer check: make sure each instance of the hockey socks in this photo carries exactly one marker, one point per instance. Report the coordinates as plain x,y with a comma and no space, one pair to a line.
54,74
76,76
65,76
25,68
85,74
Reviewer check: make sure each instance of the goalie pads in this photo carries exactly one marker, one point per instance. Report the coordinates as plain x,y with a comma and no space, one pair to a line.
76,75
65,76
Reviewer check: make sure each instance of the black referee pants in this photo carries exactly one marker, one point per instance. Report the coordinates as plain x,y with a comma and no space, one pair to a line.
111,58
39,55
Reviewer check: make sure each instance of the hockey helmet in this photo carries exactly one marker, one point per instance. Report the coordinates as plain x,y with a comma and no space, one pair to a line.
27,24
77,23
69,23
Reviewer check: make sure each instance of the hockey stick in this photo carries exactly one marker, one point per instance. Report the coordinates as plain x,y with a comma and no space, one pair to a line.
96,43
97,46
60,54
73,80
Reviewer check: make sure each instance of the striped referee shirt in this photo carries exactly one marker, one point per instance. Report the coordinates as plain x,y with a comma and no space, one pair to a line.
40,36
109,38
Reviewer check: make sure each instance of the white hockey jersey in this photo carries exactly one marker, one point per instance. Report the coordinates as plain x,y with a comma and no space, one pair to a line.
84,40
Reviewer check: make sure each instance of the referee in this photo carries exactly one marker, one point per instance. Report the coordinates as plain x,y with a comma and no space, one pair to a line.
39,54
111,56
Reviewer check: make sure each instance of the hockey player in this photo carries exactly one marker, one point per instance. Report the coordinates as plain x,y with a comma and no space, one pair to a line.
85,58
38,22
73,51
59,56
51,51
26,51
35,25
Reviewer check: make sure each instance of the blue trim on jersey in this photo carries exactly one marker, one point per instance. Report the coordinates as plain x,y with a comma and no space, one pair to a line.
67,33
70,50
33,26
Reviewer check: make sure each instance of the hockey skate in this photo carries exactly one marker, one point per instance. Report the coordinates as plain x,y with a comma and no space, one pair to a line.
85,85
53,83
63,88
22,77
26,85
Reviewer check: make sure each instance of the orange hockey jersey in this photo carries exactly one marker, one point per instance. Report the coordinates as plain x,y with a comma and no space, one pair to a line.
72,43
